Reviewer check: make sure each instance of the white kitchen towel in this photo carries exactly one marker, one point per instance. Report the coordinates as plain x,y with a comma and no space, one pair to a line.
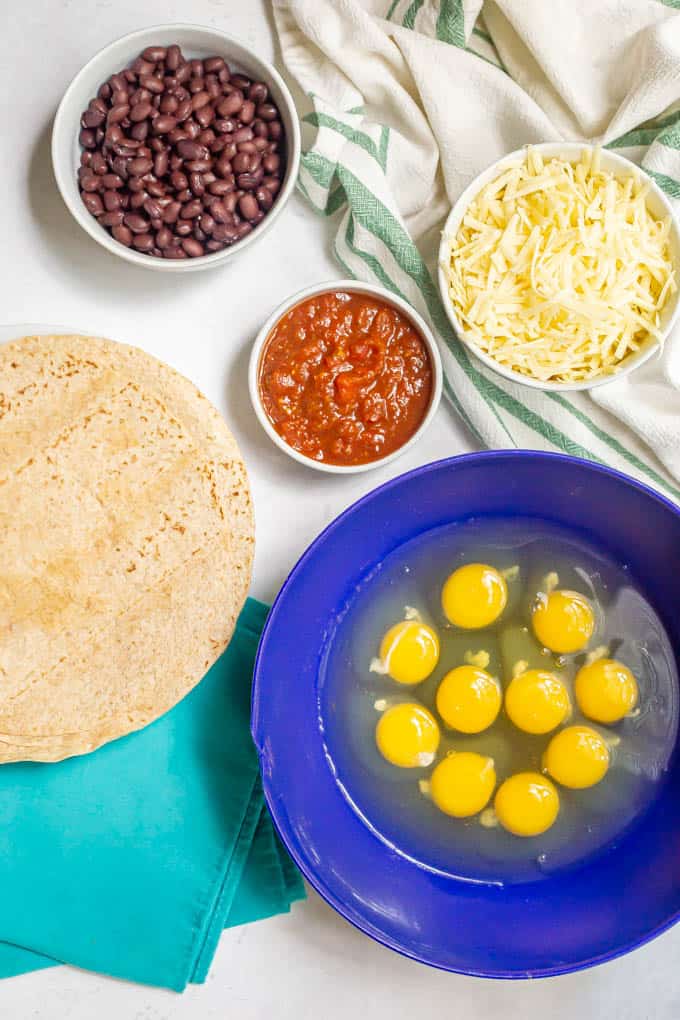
413,98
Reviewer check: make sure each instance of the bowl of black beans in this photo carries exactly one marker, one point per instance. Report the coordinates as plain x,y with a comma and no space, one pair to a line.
176,147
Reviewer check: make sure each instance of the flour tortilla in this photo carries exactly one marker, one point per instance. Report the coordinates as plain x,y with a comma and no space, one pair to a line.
127,536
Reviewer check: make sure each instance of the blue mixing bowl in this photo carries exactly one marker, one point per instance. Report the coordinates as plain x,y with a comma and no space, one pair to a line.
572,919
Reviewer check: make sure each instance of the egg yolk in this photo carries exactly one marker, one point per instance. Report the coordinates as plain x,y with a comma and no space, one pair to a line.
537,701
563,621
461,785
407,735
577,757
606,690
527,804
468,699
409,651
474,596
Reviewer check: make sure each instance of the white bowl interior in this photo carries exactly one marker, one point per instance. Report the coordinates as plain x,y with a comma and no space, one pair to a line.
622,168
354,287
195,41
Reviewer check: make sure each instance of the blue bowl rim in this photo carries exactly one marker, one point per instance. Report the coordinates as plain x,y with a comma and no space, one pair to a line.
332,901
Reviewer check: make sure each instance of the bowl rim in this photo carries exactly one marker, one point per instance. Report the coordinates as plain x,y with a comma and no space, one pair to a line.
274,803
62,125
455,215
359,287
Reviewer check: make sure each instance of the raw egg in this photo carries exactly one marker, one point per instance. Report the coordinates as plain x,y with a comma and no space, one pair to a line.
606,690
527,804
469,699
474,596
563,621
577,757
409,652
462,783
407,735
537,701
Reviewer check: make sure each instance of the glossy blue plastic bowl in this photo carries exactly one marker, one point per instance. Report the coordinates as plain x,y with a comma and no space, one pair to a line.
573,919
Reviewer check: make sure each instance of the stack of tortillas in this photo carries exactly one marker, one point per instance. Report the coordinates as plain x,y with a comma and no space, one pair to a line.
126,542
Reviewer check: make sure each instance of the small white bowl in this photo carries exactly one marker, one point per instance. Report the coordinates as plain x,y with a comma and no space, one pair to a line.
621,167
195,41
352,287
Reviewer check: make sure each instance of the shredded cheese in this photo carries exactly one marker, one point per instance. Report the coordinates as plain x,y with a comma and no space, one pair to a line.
559,271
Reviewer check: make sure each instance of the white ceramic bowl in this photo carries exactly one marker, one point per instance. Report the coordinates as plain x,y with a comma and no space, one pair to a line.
621,167
196,41
353,287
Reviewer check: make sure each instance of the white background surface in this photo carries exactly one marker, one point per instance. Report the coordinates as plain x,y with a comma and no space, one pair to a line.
310,964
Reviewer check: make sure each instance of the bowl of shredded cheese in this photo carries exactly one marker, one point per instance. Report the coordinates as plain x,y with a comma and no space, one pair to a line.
558,266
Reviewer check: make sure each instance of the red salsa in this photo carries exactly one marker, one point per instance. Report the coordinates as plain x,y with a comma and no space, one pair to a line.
345,378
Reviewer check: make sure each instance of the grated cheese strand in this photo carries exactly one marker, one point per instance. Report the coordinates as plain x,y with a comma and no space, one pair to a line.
559,271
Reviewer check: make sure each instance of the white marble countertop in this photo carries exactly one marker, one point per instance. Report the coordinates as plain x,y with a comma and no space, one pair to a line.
311,963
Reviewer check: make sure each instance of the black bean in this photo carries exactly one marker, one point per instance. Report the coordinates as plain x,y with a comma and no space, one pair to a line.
222,187
152,84
248,182
98,164
267,111
188,149
122,234
160,164
191,128
213,64
135,222
183,110
112,219
140,165
204,115
183,73
154,53
168,104
90,182
141,66
258,92
171,212
206,137
92,202
247,112
140,111
191,209
230,105
111,200
224,232
196,184
140,95
164,123
140,131
248,207
264,198
244,134
173,57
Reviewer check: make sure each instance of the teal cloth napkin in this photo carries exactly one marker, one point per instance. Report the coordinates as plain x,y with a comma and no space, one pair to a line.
132,860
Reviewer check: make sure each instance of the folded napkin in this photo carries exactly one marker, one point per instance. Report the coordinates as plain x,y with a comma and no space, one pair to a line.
413,98
132,860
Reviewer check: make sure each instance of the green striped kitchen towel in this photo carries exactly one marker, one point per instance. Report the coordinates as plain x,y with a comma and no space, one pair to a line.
412,98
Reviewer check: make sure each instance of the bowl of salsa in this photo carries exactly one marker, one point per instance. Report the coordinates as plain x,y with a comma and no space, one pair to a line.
345,376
